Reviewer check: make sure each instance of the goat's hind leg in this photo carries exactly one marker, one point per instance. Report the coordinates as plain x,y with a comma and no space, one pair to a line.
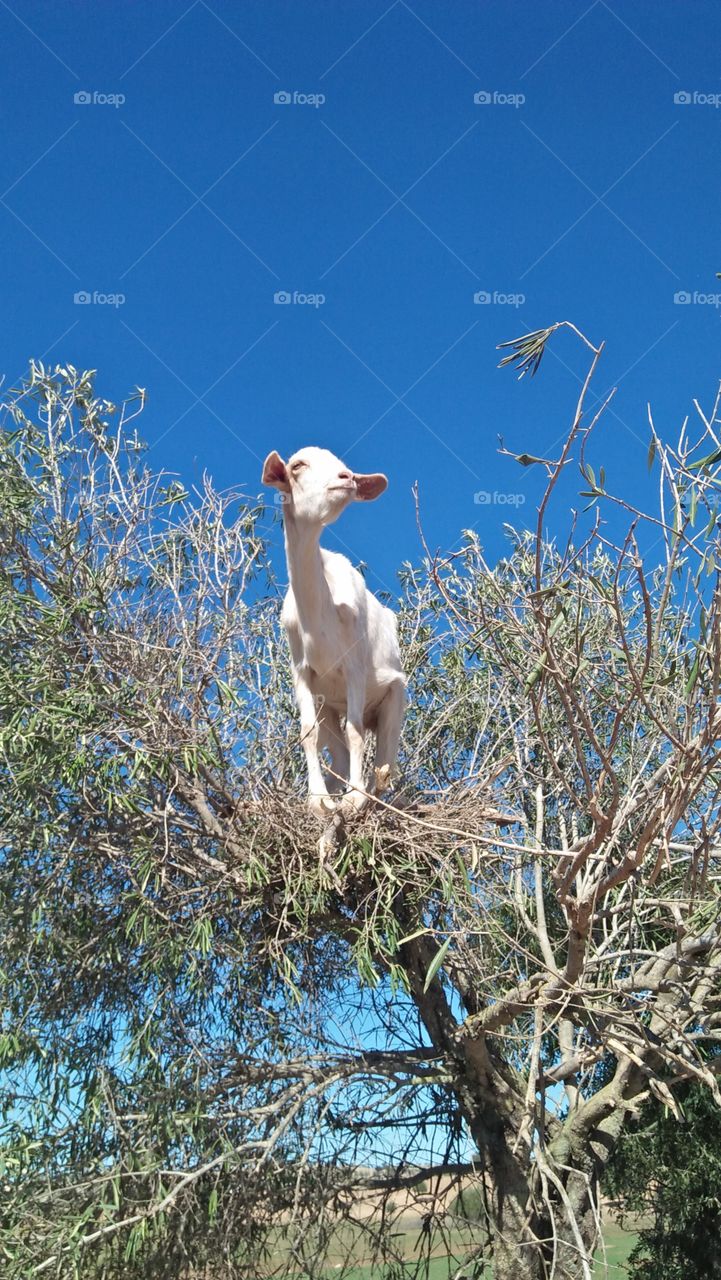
331,737
356,797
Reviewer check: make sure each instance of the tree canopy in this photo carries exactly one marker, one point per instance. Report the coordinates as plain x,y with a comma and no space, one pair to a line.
220,1041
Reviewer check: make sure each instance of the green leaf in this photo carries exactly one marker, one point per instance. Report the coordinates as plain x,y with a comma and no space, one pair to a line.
693,505
537,670
693,677
410,936
527,351
435,964
707,461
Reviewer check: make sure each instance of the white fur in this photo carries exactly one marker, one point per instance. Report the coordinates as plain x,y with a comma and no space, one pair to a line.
343,641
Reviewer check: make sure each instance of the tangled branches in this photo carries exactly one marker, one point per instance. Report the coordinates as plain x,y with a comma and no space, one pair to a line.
219,1047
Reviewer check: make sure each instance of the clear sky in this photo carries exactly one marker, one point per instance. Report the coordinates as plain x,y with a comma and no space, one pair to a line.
582,190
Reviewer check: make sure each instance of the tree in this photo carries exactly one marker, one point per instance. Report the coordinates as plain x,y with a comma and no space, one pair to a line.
220,1045
667,1168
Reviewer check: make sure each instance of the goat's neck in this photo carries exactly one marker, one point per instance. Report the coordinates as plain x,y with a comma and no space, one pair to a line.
305,566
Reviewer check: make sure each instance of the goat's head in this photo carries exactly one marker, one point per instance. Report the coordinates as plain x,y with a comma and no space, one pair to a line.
317,486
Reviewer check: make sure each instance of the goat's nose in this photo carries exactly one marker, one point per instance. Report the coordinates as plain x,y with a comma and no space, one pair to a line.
345,475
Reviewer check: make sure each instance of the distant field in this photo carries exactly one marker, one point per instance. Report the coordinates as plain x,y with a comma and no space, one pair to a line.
618,1246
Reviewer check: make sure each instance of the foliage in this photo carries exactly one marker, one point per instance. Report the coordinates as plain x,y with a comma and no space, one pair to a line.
468,1204
221,1041
669,1172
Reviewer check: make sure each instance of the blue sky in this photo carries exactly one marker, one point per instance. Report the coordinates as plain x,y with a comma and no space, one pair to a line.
396,199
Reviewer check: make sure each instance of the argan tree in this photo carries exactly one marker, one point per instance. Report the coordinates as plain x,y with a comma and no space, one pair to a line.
226,1052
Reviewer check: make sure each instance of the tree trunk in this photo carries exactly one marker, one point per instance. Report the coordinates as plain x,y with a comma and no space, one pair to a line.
540,1206
537,1246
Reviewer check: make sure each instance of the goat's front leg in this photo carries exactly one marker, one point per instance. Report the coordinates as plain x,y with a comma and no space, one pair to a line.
319,802
388,732
354,800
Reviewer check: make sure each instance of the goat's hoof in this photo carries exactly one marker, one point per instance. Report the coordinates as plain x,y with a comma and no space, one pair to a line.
321,807
383,779
353,802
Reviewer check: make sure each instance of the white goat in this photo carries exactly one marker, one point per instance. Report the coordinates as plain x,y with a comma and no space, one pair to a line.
343,642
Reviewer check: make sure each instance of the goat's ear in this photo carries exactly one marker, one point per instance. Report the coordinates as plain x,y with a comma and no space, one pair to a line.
370,487
275,472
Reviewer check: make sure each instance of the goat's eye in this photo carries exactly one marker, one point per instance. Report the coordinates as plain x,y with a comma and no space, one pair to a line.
297,466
